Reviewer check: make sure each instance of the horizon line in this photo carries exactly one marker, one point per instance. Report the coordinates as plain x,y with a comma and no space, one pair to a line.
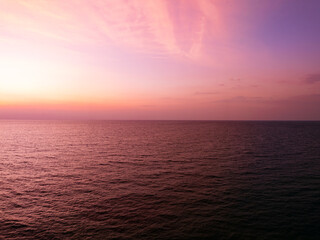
176,120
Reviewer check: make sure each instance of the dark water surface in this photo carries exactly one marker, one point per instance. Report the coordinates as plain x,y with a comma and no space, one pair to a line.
159,180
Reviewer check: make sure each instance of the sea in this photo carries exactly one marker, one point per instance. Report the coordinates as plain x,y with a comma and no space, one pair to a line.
159,180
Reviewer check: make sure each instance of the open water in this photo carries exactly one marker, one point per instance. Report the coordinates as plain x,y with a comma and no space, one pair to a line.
159,180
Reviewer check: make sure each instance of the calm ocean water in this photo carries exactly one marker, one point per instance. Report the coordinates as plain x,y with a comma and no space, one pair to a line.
159,180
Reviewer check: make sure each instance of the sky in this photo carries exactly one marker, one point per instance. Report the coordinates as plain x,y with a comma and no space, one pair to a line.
160,59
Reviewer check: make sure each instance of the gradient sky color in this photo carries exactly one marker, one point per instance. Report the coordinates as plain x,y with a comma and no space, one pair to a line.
160,59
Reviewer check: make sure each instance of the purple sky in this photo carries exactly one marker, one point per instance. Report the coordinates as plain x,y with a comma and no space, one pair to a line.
160,59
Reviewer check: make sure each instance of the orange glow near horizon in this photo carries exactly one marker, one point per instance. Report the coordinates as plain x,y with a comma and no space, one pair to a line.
160,59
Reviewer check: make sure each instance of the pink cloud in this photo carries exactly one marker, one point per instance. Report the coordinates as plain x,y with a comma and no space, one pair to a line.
146,26
312,79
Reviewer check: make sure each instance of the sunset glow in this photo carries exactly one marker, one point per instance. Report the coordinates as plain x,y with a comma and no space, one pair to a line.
160,59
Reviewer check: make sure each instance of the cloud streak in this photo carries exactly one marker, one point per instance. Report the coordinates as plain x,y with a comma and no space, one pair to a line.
312,79
206,93
144,26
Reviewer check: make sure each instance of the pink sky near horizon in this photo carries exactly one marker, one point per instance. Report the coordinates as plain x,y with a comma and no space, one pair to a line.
160,59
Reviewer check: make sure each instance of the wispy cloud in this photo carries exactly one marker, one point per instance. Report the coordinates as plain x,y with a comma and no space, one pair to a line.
312,99
243,99
312,79
145,26
206,93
